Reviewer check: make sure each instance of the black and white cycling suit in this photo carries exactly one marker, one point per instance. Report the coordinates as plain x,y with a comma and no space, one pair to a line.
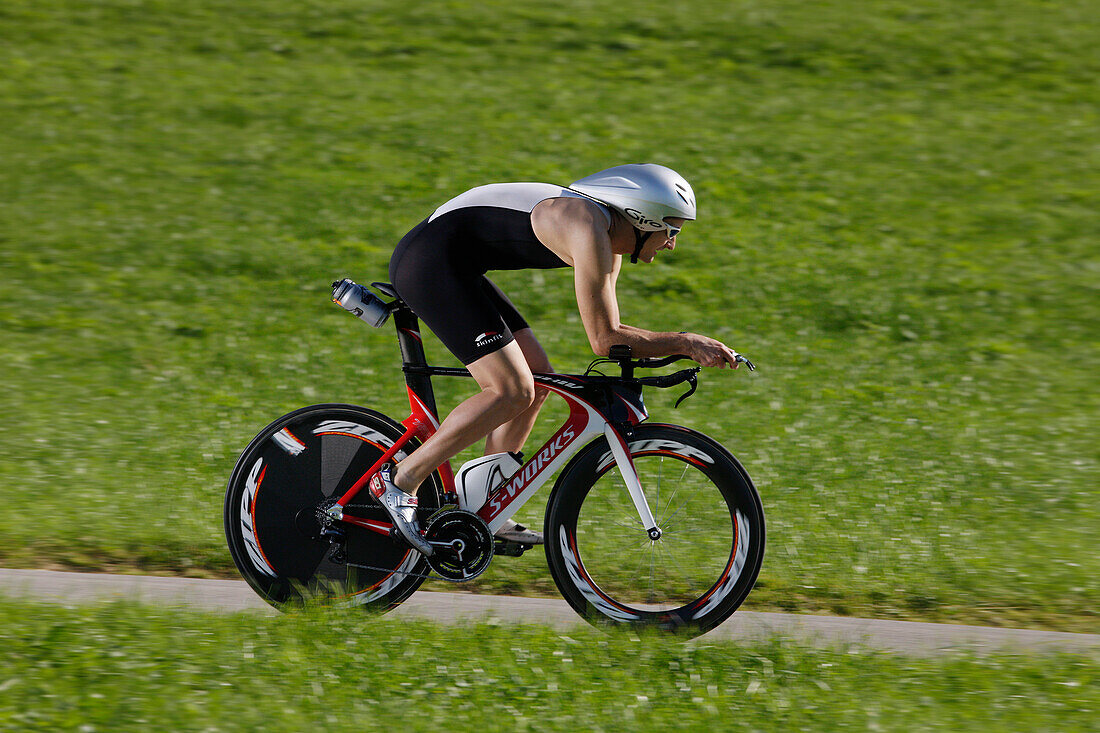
439,267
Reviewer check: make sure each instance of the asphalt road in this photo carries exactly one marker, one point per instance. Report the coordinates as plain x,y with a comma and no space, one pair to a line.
831,631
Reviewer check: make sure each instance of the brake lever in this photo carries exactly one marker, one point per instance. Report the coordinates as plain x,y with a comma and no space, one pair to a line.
742,360
693,380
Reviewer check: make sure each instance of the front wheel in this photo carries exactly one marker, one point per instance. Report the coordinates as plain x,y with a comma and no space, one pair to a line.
296,464
712,533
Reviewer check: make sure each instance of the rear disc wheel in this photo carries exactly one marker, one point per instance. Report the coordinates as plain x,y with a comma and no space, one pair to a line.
297,464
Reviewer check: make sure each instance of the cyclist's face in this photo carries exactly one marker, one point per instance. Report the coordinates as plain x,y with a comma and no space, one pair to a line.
661,240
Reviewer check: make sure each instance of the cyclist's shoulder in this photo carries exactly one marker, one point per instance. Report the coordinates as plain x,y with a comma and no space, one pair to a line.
525,196
570,213
574,230
521,196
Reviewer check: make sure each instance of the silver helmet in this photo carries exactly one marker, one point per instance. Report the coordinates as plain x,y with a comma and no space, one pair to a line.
645,194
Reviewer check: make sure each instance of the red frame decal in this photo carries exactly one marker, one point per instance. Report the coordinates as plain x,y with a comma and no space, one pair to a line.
533,469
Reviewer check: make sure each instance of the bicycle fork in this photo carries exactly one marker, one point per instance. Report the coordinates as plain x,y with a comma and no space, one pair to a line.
623,460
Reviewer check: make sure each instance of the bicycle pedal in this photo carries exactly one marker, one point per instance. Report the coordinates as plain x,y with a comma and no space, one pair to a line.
509,548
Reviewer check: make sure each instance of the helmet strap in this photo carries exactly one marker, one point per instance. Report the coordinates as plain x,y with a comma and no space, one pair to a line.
640,238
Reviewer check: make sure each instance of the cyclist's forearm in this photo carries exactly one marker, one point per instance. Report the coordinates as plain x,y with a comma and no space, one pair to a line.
645,343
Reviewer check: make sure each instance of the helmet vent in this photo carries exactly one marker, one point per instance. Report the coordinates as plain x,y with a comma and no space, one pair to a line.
619,182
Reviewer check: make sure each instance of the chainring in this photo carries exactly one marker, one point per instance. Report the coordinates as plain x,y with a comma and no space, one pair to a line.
468,546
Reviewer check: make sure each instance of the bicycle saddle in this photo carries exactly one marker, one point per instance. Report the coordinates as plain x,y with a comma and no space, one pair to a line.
386,289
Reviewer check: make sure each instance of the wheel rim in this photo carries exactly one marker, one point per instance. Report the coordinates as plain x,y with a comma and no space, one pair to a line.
695,555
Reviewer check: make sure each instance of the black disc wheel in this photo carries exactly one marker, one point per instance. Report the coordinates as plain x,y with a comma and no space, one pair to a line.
690,575
275,502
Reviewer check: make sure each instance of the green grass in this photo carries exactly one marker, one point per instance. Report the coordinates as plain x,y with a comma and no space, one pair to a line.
124,667
899,216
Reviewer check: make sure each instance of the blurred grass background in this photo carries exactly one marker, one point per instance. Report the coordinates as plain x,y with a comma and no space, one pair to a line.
126,667
898,223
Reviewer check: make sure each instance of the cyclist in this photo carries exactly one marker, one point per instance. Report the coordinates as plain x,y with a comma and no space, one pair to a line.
439,269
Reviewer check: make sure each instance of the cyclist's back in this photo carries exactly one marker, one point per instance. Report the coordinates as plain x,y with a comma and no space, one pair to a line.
439,267
487,228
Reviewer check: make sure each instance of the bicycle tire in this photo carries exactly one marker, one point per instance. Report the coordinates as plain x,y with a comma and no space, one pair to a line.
295,463
710,551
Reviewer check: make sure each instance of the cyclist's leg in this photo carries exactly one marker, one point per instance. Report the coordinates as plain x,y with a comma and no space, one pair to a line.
464,310
508,390
513,434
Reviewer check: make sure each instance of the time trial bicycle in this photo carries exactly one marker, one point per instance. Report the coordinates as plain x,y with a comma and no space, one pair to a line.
647,523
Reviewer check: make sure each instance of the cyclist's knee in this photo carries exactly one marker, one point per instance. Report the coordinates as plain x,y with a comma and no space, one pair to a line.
506,375
518,392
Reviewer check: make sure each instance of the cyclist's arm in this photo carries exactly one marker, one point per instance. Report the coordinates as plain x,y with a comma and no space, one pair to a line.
577,233
595,271
599,306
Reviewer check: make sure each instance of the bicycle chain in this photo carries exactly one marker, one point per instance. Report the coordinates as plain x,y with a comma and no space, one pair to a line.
322,516
427,576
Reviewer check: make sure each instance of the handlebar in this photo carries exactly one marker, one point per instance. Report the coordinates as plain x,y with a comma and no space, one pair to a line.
654,363
620,353
669,380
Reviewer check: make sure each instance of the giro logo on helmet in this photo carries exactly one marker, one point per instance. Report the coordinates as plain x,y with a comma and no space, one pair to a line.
642,219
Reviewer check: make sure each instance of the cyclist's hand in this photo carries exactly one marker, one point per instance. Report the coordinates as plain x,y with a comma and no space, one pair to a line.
711,352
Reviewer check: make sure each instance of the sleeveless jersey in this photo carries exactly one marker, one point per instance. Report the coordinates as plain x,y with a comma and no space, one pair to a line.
491,226
439,267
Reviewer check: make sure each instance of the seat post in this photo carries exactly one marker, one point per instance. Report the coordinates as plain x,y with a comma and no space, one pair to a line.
412,355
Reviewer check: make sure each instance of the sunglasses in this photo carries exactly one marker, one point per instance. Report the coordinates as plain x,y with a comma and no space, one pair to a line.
672,231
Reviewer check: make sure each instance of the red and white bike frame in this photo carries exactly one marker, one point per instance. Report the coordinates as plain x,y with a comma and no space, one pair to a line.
595,408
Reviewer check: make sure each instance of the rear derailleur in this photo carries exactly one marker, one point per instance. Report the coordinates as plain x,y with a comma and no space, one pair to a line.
328,528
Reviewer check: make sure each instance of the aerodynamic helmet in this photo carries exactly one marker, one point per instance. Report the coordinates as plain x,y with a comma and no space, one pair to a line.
645,194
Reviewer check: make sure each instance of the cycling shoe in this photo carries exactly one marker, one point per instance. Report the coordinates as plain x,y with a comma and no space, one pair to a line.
401,508
518,533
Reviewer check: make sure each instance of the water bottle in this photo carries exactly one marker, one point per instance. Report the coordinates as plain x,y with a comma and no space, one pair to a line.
477,478
360,302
